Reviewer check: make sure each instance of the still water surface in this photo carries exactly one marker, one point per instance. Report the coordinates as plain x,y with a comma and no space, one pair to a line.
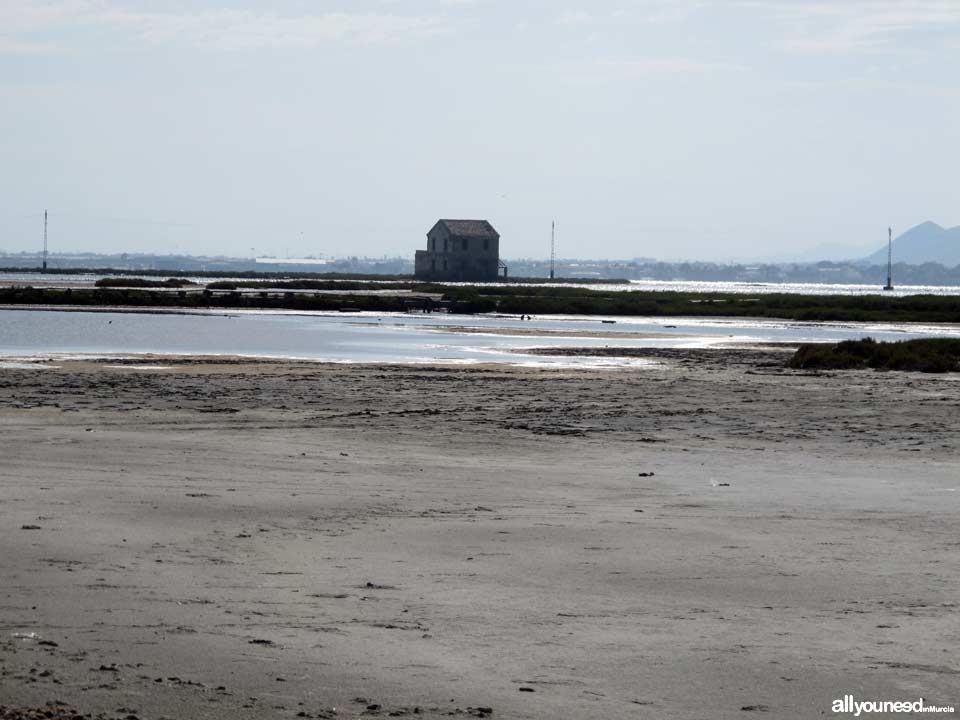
400,338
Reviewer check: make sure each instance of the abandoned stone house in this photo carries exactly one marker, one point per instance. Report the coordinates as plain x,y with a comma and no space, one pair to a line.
460,250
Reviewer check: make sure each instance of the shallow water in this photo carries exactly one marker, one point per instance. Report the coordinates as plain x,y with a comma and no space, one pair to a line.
400,338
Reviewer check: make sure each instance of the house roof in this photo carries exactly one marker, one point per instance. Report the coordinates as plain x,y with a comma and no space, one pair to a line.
469,228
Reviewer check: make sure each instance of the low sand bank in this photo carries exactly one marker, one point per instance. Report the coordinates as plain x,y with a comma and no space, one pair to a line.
539,332
714,537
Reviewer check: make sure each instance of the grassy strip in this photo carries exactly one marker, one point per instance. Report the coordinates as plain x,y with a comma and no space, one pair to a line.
306,284
247,274
262,275
416,285
134,282
934,355
143,298
539,300
580,301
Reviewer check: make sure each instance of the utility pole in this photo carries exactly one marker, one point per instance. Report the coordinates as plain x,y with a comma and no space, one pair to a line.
553,246
889,285
44,241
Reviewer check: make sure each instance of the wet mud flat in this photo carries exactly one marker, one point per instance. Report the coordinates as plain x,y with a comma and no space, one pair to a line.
713,536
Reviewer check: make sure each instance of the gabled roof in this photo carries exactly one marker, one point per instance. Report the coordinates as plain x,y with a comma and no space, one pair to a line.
469,228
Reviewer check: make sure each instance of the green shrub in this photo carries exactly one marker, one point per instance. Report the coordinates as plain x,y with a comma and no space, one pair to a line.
932,355
133,282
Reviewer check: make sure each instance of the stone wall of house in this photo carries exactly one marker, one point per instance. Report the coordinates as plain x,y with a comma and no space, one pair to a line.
457,258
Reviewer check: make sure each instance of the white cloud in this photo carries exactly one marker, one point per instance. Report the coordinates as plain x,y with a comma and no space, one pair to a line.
221,28
575,17
798,25
242,30
668,66
645,12
617,70
24,17
854,25
15,46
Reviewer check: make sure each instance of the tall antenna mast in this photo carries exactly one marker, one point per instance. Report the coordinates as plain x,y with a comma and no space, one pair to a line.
553,246
44,240
889,285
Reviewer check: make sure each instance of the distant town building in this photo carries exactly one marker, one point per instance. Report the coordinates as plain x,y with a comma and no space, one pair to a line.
460,250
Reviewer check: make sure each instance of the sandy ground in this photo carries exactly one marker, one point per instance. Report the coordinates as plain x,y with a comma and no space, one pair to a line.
712,537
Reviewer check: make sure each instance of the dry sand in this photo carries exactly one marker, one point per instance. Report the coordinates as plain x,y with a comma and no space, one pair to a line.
713,537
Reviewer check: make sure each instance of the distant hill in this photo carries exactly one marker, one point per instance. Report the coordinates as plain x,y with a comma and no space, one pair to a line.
927,242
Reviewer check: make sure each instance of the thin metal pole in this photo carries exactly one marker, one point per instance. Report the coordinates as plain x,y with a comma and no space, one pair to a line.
44,240
553,246
889,259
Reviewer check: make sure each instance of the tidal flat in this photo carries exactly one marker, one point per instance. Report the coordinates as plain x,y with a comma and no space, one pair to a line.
715,535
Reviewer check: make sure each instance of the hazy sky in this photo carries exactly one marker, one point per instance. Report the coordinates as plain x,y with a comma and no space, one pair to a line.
664,128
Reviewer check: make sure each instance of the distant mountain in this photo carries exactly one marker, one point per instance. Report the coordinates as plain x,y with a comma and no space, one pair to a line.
927,242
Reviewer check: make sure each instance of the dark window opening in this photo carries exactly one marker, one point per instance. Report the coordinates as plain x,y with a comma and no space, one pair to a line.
486,244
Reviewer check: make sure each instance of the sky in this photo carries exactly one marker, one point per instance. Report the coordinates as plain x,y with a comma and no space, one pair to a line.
669,129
